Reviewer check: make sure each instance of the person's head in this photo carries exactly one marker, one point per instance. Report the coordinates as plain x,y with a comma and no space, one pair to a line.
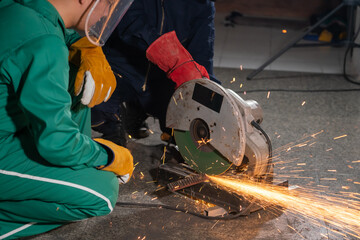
97,18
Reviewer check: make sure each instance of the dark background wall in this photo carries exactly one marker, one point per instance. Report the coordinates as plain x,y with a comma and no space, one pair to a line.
282,9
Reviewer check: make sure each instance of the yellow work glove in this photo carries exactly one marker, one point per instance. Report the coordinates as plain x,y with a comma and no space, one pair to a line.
122,160
94,74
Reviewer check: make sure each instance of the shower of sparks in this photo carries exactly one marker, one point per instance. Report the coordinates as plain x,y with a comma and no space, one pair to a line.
241,85
152,132
284,31
233,80
303,103
338,211
181,96
318,203
268,94
241,67
345,135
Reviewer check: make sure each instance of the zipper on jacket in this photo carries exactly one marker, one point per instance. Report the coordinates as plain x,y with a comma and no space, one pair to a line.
161,30
163,17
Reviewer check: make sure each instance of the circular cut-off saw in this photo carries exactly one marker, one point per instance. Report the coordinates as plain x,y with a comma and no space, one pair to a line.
214,128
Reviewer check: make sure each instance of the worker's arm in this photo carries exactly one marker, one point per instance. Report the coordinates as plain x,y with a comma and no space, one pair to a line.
201,46
135,31
41,86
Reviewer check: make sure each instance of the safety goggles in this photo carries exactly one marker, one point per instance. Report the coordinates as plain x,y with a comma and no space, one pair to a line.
102,19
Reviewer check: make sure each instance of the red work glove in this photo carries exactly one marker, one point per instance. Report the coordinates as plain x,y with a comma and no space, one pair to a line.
171,57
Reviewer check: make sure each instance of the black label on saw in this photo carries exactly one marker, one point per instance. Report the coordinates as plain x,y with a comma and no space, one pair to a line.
207,97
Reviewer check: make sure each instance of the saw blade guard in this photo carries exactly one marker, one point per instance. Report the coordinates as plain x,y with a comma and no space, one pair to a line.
209,113
215,120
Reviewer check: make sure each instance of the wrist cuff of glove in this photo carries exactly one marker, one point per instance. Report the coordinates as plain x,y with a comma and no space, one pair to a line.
111,156
187,71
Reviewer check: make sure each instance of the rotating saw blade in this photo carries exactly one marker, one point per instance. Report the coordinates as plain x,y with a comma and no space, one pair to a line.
200,157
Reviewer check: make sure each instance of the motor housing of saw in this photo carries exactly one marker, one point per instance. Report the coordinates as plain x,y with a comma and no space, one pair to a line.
213,129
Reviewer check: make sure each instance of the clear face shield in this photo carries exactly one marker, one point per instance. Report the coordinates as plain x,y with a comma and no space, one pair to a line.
102,19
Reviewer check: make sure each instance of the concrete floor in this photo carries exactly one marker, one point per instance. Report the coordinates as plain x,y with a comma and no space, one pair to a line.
288,118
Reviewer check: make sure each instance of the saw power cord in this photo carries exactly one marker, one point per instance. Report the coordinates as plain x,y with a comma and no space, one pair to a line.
160,206
350,47
300,90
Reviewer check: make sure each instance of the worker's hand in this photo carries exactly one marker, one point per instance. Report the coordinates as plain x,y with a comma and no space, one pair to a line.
170,56
94,74
122,160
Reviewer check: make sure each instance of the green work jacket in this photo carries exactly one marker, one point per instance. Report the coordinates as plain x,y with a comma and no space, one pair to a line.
34,82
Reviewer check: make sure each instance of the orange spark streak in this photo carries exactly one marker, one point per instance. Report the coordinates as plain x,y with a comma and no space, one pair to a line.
339,212
345,135
328,179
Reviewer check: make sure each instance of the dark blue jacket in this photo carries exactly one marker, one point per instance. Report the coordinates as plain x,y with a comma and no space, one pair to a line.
145,21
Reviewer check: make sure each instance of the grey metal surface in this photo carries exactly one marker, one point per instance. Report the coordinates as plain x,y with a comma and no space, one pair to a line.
290,119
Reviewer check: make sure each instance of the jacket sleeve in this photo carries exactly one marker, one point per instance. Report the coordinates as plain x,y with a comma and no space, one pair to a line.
201,46
134,29
42,91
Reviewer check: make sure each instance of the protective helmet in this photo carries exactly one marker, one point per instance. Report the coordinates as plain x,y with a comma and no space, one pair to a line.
102,19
